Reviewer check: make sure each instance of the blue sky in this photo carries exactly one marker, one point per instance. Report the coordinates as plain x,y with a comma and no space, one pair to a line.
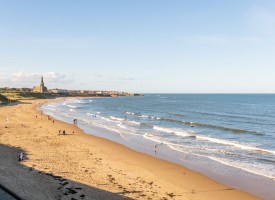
139,46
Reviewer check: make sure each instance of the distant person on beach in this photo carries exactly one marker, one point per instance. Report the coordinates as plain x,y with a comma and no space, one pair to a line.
53,121
64,132
156,147
20,156
6,122
75,121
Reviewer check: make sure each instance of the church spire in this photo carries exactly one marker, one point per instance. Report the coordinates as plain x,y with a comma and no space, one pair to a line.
42,79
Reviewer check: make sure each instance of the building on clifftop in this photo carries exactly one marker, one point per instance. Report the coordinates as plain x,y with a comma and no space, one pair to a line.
40,88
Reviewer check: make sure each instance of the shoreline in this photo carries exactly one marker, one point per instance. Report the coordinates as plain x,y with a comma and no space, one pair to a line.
96,163
227,174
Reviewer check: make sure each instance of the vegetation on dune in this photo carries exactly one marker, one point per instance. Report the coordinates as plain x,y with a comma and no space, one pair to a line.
8,95
3,99
27,95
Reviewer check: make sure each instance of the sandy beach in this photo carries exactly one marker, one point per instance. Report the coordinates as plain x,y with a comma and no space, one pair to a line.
81,166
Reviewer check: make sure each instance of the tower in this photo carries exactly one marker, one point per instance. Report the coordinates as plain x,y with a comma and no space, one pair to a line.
42,82
40,88
42,85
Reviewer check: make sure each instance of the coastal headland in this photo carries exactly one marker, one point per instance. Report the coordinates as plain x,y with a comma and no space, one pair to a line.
75,165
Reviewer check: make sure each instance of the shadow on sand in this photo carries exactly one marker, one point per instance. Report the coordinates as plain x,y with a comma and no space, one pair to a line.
29,183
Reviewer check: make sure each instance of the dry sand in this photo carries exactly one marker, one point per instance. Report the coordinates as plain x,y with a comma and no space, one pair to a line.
81,166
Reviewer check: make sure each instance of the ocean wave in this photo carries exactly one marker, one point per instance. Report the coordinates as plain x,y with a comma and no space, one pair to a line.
179,115
234,130
223,115
129,113
86,120
106,119
71,106
121,126
235,144
154,138
93,115
259,170
134,122
147,125
198,124
175,131
116,118
272,161
179,148
51,109
51,105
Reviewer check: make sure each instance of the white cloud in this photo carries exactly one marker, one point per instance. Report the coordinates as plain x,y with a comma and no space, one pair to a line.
30,79
262,20
24,76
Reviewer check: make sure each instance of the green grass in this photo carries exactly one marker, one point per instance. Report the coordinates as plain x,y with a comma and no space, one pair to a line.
16,96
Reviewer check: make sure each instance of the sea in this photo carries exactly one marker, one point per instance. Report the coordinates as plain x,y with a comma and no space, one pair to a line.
228,137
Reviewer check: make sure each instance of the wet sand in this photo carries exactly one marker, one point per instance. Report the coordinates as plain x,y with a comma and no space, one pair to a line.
82,166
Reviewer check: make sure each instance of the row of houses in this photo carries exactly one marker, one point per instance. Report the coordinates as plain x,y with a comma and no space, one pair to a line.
92,92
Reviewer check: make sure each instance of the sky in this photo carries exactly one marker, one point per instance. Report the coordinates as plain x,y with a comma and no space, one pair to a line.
148,46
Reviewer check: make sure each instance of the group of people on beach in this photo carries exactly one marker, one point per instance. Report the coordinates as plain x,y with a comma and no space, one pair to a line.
63,132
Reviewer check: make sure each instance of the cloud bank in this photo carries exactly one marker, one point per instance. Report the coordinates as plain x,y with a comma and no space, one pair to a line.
29,79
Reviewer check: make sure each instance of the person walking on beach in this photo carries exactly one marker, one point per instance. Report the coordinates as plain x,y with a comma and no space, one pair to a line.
156,149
